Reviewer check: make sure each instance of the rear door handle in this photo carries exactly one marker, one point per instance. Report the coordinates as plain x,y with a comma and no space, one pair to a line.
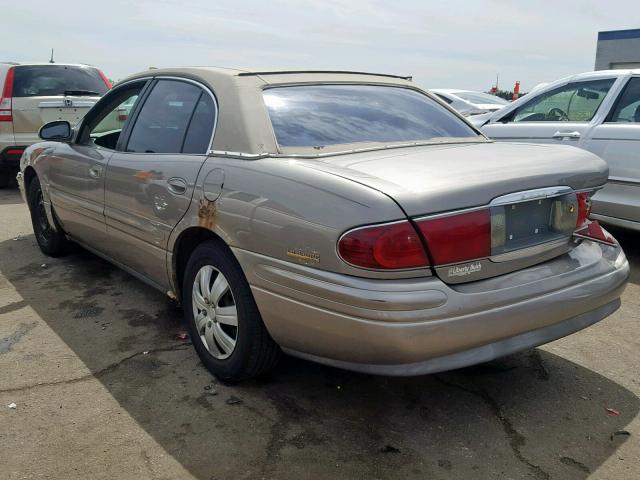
177,185
560,134
95,171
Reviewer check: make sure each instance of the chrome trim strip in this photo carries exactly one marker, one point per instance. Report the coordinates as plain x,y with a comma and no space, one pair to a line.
293,156
529,195
529,251
61,104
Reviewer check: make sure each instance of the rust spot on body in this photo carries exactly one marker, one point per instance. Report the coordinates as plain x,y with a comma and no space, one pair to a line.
207,214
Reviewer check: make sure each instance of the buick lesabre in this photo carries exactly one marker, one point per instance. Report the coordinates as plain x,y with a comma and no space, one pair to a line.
347,218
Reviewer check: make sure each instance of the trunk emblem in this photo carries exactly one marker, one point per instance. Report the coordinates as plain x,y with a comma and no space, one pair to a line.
463,271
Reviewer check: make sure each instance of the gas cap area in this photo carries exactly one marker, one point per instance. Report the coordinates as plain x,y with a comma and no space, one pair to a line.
213,183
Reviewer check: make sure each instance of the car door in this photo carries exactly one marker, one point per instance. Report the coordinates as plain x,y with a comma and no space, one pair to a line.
76,170
151,178
617,141
562,115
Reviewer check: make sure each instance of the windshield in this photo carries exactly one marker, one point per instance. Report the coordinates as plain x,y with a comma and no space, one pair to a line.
53,80
320,115
479,97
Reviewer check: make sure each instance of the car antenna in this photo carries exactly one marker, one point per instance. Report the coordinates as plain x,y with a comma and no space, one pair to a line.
51,61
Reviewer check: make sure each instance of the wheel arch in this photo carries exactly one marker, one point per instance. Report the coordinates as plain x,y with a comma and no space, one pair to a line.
185,244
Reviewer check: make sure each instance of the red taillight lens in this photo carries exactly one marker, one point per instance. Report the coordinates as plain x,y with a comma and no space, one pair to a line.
390,246
106,81
458,238
5,101
584,208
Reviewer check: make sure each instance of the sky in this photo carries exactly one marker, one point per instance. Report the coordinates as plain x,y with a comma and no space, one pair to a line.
452,44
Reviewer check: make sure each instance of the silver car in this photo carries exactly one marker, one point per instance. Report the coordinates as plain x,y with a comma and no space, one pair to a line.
598,111
468,102
347,218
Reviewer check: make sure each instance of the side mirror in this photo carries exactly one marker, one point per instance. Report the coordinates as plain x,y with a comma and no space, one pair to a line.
60,130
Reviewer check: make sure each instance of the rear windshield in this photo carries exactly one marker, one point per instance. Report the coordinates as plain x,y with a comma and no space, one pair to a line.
319,115
48,80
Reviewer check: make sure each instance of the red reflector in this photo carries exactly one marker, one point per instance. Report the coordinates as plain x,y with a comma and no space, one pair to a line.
595,231
14,151
5,100
122,117
458,238
390,246
584,208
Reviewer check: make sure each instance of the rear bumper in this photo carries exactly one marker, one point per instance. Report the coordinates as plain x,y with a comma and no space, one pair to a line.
418,326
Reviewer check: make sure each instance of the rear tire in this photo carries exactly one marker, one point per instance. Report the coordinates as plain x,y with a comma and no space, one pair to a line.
52,242
231,353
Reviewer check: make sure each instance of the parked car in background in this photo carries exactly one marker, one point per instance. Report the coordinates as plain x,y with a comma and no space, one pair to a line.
469,102
346,218
597,111
34,94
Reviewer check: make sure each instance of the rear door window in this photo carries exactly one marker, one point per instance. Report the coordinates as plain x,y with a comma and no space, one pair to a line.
57,80
163,120
201,126
627,109
574,102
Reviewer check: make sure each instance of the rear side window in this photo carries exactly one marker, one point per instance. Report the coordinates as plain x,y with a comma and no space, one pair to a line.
319,115
163,120
54,80
574,102
200,129
628,107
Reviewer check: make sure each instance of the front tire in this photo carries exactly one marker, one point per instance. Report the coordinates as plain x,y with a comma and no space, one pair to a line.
224,322
52,242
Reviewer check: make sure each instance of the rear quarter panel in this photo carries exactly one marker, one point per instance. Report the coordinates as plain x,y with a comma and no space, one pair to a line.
279,209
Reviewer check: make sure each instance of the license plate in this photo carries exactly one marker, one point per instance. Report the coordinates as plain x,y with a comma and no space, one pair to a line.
525,224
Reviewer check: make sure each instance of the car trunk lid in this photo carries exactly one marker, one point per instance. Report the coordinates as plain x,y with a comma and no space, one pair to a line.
527,194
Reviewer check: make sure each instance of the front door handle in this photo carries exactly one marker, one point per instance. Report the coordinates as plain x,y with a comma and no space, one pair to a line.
177,185
95,171
561,135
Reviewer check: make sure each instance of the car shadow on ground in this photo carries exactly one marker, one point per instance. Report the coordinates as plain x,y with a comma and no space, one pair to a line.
531,415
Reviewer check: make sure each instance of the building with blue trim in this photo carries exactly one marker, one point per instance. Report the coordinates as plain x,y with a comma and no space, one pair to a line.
618,49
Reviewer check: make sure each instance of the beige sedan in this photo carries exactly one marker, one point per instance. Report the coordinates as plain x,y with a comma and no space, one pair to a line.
348,218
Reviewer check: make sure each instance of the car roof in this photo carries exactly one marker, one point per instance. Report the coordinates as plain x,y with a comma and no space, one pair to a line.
39,64
268,76
239,96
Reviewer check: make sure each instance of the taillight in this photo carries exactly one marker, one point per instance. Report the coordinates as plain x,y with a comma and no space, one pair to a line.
5,101
584,208
458,237
389,246
106,81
